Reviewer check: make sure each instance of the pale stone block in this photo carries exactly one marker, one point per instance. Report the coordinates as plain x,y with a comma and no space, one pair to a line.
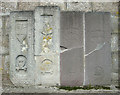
47,31
114,42
79,6
115,62
8,6
47,70
105,6
22,65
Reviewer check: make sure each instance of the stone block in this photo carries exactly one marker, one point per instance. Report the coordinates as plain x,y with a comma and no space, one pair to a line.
98,66
71,43
62,5
4,33
8,6
114,42
27,5
114,23
105,6
47,31
115,79
33,5
115,62
114,76
79,6
21,48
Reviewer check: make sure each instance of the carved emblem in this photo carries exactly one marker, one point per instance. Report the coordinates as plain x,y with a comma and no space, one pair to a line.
99,71
21,34
47,38
46,66
21,63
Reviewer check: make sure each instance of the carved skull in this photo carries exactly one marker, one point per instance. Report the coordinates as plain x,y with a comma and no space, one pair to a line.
21,63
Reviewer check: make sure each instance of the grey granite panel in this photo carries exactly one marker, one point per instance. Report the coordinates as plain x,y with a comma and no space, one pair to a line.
98,49
71,43
71,30
72,72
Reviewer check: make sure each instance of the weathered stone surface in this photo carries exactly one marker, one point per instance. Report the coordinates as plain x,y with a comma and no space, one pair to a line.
5,35
115,62
114,42
115,78
8,6
0,73
62,5
97,48
21,48
47,70
47,29
27,5
114,23
79,6
105,6
71,43
33,5
0,7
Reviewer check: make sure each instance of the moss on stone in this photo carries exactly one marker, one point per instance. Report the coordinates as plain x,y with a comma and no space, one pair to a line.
88,87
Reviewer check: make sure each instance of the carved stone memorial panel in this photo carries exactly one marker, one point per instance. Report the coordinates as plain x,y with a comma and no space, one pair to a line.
47,45
21,48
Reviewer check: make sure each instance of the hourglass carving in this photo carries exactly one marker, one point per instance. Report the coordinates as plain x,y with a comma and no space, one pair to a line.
21,33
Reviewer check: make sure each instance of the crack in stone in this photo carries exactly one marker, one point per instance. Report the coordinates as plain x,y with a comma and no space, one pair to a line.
62,51
99,46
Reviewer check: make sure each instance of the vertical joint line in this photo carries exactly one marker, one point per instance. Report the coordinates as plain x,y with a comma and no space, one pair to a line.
84,45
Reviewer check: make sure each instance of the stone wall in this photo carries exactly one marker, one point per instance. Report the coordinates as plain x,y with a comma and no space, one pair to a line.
7,7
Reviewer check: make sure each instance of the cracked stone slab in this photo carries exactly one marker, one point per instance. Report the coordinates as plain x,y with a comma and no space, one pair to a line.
97,49
71,43
72,73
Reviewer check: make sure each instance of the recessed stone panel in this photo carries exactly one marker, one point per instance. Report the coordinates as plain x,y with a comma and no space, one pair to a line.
71,43
97,49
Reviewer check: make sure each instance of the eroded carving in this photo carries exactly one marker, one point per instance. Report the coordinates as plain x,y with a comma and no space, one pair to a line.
46,66
47,38
21,63
21,34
